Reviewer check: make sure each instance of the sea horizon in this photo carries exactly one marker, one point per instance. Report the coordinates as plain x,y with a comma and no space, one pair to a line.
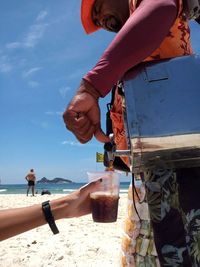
59,188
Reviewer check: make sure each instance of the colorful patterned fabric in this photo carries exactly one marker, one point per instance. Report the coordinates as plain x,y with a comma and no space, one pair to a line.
174,206
117,117
177,42
138,248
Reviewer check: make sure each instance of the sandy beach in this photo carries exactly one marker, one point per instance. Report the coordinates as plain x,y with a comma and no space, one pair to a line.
81,242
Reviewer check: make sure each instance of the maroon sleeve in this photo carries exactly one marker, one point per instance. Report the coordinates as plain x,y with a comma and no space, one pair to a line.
143,32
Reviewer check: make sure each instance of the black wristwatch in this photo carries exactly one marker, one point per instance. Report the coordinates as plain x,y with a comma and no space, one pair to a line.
49,217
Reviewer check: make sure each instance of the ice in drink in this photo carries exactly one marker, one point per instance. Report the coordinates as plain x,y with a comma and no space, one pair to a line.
104,206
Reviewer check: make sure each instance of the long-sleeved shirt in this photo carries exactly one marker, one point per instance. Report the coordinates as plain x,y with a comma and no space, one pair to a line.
154,30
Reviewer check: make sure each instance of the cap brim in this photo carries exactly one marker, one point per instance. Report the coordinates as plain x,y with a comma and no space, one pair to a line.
86,16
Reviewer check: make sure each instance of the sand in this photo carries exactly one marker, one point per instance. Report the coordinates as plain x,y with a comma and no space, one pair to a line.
81,242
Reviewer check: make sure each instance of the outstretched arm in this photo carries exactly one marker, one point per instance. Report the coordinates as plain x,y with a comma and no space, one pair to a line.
16,221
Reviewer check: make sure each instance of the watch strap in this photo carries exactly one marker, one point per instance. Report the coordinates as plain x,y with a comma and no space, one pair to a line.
49,217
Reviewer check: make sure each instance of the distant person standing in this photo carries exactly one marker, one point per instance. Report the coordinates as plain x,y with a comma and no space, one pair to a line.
30,177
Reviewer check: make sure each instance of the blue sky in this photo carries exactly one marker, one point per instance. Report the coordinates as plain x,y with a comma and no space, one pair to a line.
44,53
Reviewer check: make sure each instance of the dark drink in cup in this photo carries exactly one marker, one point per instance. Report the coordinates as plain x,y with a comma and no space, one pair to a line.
106,197
104,207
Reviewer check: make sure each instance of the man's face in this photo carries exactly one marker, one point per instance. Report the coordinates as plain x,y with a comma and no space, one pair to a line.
110,14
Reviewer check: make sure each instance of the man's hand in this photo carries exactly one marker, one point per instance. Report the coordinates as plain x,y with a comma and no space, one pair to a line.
82,116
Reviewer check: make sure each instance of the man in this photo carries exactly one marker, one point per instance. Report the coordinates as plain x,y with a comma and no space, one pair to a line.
146,30
128,48
30,177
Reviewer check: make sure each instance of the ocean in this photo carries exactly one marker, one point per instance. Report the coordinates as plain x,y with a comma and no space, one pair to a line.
53,188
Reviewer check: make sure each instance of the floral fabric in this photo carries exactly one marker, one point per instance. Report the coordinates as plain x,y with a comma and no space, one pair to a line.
174,207
138,248
173,213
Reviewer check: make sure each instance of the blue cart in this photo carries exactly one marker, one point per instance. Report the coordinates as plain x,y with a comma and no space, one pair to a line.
163,113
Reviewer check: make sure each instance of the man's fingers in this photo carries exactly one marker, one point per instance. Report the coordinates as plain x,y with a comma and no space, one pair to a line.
84,139
79,125
74,120
101,136
84,130
85,124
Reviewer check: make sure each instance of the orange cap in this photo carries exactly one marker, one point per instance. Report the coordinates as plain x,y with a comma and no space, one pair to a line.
86,16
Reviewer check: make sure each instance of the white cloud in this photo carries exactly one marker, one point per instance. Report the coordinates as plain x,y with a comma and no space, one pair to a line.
33,84
44,125
42,15
59,113
49,113
13,45
41,124
64,90
76,74
5,65
31,71
52,113
34,35
71,143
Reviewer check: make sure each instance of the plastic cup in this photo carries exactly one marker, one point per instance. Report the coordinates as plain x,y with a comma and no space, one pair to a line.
105,199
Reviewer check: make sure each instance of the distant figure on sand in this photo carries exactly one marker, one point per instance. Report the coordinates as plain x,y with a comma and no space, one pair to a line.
30,177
